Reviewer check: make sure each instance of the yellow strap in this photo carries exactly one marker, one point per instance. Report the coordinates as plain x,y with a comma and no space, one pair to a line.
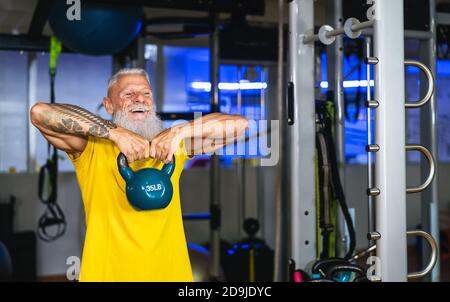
252,266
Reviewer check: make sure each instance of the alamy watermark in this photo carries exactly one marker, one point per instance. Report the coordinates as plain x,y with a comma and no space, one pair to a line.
73,269
73,12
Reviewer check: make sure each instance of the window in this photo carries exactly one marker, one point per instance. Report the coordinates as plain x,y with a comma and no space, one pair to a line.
80,80
13,111
184,86
443,107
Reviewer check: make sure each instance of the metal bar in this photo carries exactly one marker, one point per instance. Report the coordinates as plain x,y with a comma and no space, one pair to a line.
363,25
390,165
214,269
280,173
433,258
252,7
432,168
370,155
260,180
430,80
335,76
139,60
337,32
161,72
32,98
302,135
428,138
240,164
23,42
310,39
431,262
363,253
39,19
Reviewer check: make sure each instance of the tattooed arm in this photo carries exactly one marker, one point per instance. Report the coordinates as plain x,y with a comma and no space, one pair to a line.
67,127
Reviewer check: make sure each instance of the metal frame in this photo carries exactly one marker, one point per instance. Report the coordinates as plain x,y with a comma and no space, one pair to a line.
388,191
431,243
335,61
370,145
39,19
214,269
428,138
32,76
390,164
327,34
302,135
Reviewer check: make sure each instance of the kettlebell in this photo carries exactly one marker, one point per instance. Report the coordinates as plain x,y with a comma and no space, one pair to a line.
149,188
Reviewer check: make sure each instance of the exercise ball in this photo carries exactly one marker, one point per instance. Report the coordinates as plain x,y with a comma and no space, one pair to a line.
5,264
102,29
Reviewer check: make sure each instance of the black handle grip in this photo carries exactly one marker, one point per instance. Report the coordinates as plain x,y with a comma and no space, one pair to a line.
122,161
290,104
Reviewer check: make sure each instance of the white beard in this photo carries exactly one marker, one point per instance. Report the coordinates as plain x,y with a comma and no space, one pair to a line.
147,128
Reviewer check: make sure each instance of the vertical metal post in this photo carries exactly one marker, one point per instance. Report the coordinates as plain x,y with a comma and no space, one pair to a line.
370,155
215,167
302,135
32,98
139,60
342,243
428,138
161,72
259,170
240,165
280,184
390,165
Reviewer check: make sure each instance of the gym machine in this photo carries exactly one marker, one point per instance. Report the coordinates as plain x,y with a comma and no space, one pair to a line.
387,150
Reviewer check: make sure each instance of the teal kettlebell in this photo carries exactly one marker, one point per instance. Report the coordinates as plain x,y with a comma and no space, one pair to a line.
149,188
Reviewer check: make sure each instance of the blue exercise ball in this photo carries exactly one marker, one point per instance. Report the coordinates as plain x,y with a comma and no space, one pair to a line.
101,30
5,264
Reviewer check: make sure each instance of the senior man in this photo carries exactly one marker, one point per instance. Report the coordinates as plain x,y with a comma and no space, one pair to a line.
123,244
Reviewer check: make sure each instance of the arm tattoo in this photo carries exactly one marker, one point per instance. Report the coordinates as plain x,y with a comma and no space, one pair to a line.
72,119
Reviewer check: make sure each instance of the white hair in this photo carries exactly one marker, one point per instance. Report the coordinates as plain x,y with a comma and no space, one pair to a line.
127,71
147,128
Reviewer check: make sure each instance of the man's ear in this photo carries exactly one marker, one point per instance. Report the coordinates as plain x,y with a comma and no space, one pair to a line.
107,103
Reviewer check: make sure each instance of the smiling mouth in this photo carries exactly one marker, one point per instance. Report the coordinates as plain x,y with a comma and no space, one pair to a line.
138,111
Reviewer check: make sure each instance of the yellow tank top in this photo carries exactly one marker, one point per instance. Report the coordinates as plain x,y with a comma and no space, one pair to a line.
123,244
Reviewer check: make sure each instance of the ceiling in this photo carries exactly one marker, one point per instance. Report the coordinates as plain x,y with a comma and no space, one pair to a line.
16,15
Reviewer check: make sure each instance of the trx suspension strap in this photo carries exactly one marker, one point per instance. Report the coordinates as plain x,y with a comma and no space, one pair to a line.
336,181
325,222
53,216
329,185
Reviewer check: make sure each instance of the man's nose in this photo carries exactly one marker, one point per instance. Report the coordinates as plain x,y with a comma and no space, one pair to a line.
139,98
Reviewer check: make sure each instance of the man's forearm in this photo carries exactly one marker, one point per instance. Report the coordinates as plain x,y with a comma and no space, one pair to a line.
212,132
71,119
216,126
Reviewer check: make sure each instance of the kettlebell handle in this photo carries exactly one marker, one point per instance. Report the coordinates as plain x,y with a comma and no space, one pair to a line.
169,168
124,168
127,172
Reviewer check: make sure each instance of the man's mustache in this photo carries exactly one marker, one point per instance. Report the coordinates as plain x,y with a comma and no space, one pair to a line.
135,108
